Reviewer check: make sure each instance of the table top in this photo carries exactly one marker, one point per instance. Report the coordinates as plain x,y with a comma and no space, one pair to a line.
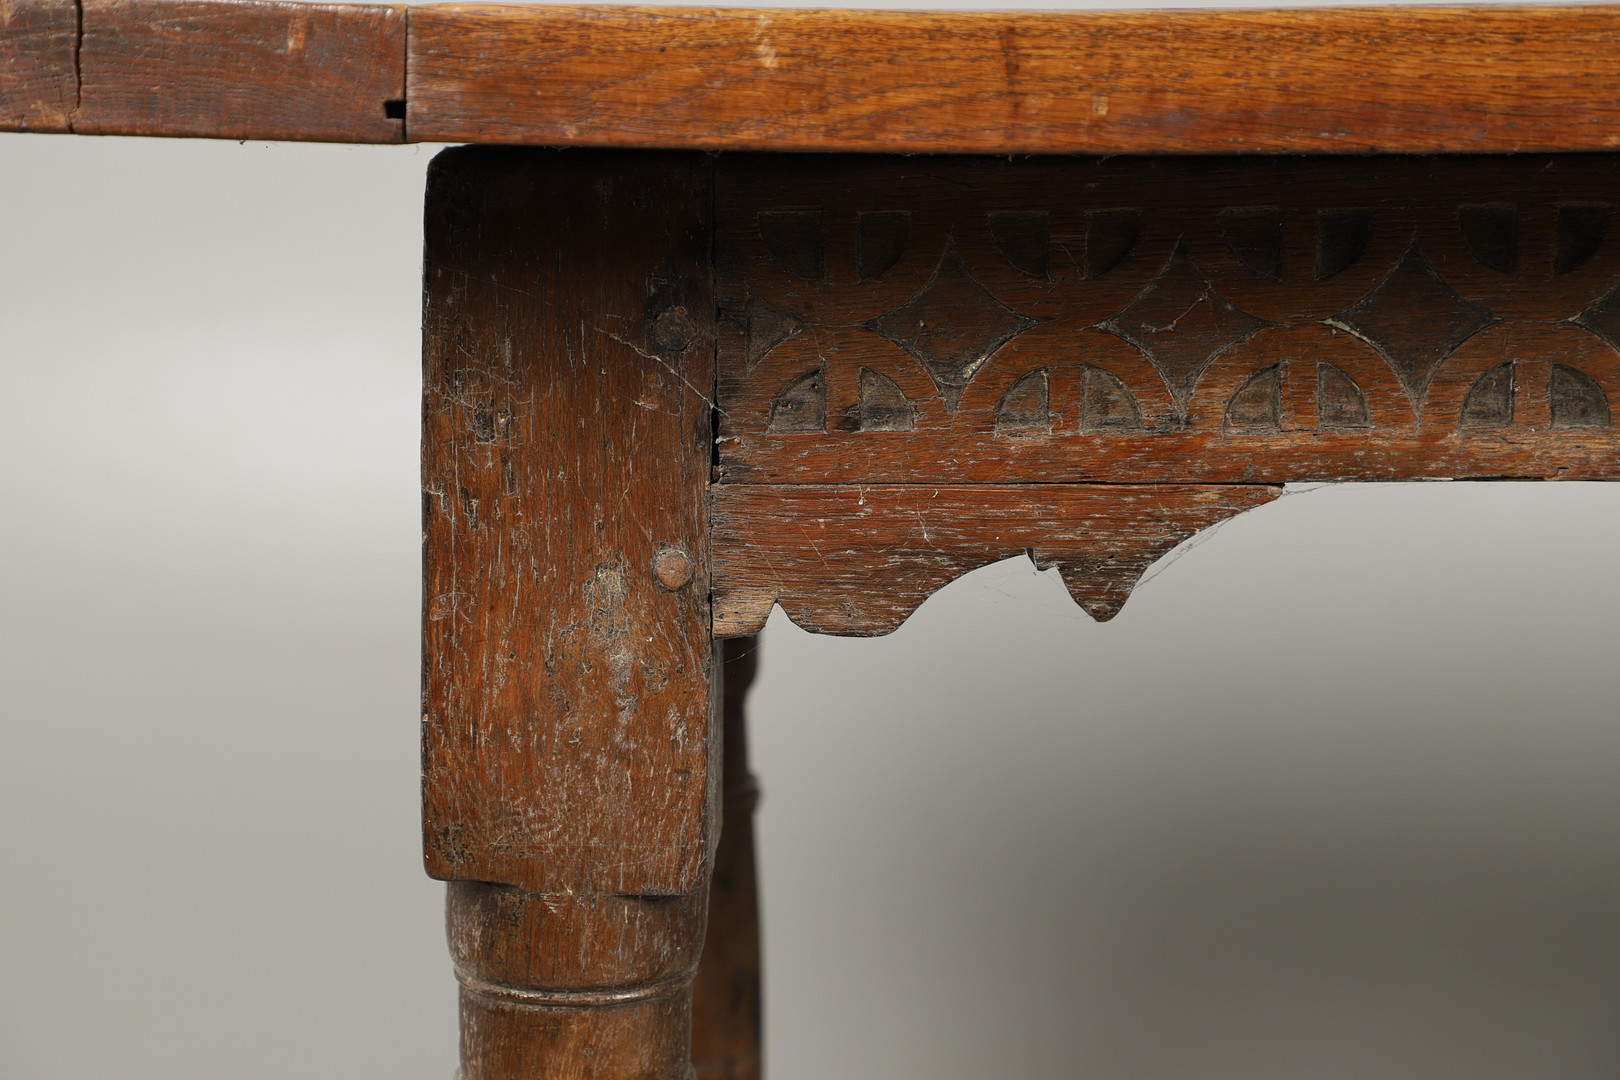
1340,80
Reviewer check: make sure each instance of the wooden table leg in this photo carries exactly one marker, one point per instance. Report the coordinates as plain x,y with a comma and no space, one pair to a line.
571,690
554,985
726,1009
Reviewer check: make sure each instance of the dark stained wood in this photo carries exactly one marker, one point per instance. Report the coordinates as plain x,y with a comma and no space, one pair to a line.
726,1000
38,84
570,696
924,365
1395,80
243,70
557,986
567,366
538,1039
857,560
1170,320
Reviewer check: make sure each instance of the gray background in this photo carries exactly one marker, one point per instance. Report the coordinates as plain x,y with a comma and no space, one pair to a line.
1332,798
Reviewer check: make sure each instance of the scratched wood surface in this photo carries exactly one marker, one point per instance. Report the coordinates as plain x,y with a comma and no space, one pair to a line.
857,560
243,70
927,364
567,353
568,985
570,685
1298,81
1493,79
38,84
1168,320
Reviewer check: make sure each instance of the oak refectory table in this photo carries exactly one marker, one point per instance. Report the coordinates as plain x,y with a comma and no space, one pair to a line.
733,308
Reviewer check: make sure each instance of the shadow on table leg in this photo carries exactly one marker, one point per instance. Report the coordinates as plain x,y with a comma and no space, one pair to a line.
726,1017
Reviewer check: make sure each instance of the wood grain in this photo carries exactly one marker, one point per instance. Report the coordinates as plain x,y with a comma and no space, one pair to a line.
570,691
858,560
563,986
1346,80
1389,80
243,69
1169,320
568,351
38,81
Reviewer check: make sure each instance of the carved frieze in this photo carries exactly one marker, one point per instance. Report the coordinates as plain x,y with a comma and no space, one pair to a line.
1167,320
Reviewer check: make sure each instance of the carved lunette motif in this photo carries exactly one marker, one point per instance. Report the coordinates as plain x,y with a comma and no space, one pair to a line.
1168,320
933,331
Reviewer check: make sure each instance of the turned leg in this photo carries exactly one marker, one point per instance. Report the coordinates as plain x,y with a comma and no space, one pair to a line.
573,986
726,1016
571,685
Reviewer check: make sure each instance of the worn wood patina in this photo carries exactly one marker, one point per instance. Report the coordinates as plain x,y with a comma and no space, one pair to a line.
1325,80
665,390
